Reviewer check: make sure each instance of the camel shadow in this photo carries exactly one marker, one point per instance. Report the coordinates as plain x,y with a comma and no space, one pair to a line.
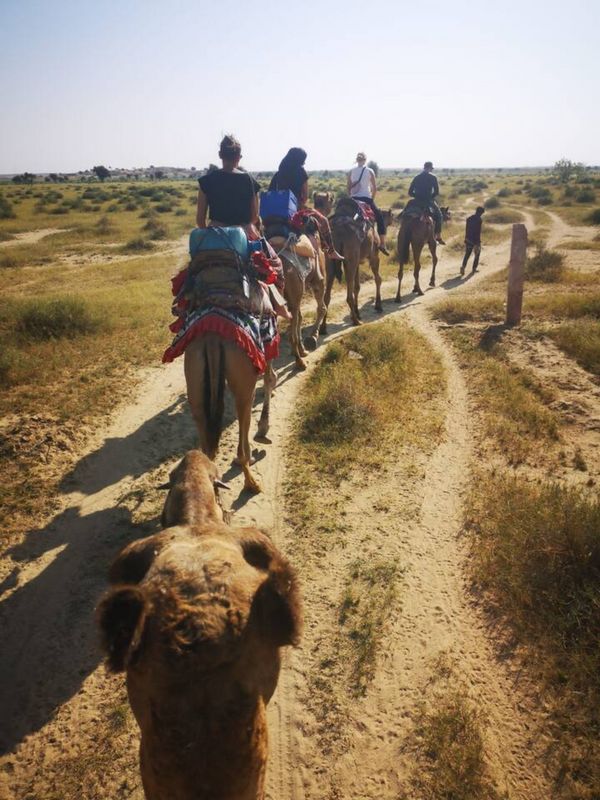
49,642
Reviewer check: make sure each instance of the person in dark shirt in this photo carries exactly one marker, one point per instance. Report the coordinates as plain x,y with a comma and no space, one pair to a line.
425,188
228,196
473,238
292,175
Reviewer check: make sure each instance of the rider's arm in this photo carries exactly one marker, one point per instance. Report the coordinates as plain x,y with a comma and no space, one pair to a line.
436,187
411,188
349,182
201,209
303,199
373,185
254,209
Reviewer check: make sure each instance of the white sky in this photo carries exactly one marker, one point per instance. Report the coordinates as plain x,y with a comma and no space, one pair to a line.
137,82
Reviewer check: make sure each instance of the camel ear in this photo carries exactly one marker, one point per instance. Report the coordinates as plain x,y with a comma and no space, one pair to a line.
279,606
121,616
277,602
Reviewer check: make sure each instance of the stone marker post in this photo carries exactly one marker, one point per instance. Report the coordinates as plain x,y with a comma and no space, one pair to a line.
516,274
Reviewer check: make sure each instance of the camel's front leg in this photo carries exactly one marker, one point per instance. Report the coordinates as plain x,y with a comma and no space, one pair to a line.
434,260
374,262
318,288
398,297
417,257
241,377
270,380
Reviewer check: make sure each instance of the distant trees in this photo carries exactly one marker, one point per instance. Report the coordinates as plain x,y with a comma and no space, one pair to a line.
565,169
374,166
101,172
25,177
158,174
211,168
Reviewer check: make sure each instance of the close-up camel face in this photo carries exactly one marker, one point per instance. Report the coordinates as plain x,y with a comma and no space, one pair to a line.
197,623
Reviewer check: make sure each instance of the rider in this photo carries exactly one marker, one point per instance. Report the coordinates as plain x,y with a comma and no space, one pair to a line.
363,186
292,175
228,196
424,188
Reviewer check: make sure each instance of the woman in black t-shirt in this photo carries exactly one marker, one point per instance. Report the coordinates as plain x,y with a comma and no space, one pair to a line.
292,175
228,196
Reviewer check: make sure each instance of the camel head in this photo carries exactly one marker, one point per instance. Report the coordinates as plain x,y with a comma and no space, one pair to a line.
193,496
446,213
388,216
197,621
323,202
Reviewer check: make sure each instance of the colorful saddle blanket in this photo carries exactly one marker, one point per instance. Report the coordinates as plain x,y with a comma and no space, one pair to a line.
257,336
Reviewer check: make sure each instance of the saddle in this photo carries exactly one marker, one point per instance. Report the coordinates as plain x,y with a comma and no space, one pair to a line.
416,209
350,213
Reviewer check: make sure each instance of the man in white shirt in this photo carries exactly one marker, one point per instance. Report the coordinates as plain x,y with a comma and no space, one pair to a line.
363,186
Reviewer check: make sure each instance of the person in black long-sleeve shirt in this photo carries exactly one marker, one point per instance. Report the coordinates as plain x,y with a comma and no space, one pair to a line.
425,188
473,238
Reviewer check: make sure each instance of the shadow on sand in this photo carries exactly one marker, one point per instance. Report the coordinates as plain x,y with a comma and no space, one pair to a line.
48,639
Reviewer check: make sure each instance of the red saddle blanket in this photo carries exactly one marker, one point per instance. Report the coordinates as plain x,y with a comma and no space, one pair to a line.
365,210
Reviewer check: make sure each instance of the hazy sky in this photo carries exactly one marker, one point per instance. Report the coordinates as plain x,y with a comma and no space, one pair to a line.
138,82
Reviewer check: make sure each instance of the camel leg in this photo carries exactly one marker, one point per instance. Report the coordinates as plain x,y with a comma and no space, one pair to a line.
270,381
194,369
417,257
374,262
329,278
398,297
357,290
318,288
241,377
299,351
351,278
434,260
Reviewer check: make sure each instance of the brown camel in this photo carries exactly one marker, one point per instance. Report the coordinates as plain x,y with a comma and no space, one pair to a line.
357,241
297,282
196,616
416,231
209,362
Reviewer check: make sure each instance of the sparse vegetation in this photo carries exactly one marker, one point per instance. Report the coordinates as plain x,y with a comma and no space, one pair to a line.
369,598
545,265
537,557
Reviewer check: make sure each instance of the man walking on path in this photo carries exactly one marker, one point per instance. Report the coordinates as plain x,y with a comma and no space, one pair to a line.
425,188
363,186
473,239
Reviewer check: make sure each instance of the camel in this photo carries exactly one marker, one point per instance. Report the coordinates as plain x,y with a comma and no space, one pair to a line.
296,283
196,617
357,241
416,231
209,362
323,202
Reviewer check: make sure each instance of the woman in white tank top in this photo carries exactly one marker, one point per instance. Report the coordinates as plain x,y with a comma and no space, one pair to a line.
363,186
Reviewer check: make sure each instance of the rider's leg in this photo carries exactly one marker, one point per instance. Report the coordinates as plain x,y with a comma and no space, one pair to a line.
327,237
468,251
381,229
477,254
437,218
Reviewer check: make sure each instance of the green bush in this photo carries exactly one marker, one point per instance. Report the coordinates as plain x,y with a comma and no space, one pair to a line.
137,245
504,192
56,318
546,266
586,196
492,202
6,209
594,217
156,229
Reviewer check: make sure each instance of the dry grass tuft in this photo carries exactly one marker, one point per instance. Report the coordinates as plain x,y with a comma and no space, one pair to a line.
447,743
536,556
369,597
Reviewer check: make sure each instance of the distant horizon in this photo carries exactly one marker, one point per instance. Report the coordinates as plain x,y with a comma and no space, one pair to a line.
528,167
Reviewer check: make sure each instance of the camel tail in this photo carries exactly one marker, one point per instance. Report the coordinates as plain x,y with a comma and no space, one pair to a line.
214,392
337,265
404,245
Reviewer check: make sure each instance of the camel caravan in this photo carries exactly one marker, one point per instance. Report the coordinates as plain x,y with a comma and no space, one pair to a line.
197,615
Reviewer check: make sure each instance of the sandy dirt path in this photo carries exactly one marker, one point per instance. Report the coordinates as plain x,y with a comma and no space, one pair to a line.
31,237
52,684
